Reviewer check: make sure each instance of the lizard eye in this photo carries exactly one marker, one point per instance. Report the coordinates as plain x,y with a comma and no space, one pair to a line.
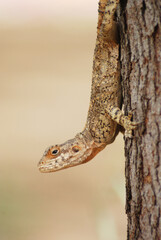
75,149
55,152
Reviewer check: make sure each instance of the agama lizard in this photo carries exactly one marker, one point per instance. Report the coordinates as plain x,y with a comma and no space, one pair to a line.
104,114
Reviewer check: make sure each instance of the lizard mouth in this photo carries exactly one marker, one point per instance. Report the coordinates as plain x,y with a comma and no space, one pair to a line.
46,169
43,169
50,166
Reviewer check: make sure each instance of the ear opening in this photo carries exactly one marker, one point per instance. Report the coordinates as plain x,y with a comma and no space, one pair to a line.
76,149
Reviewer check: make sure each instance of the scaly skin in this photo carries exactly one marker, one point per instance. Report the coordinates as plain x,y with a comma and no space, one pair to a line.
104,114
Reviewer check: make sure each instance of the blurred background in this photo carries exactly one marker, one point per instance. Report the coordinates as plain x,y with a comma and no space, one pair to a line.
46,54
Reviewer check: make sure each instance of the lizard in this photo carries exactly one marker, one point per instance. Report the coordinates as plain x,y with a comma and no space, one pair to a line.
104,115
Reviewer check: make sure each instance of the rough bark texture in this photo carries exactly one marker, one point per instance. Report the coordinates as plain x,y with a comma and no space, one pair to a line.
140,54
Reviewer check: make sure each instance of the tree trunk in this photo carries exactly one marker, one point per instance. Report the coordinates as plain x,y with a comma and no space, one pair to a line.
140,55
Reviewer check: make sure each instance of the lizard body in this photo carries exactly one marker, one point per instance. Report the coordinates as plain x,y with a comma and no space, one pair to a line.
104,114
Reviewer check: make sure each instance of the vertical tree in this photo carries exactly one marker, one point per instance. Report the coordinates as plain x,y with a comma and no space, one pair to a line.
140,54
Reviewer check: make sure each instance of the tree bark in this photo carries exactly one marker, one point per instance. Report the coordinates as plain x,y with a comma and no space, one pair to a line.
140,56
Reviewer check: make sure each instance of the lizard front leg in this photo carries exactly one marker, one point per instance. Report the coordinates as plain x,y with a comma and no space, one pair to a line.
118,116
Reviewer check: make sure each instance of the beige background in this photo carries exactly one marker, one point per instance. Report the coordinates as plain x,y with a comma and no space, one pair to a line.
46,51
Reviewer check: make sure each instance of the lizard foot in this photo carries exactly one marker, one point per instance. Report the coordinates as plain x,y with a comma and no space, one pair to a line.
118,116
129,125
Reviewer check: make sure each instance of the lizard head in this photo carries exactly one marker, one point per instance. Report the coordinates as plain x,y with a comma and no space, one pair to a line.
71,153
